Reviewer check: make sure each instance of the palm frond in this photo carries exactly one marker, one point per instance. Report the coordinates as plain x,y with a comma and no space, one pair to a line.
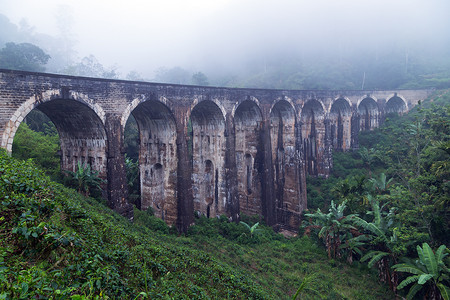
440,253
408,281
253,228
246,225
429,259
375,257
368,226
445,291
408,268
424,278
413,291
376,213
322,231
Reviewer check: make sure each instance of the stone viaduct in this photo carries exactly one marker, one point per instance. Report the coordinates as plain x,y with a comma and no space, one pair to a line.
207,149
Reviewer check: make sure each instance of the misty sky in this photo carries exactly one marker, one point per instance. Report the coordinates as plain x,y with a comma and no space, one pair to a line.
143,35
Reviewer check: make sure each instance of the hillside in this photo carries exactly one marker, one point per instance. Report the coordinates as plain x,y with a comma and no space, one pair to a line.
389,201
56,243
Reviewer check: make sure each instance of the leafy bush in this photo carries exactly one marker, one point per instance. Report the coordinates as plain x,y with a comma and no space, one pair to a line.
41,148
400,199
55,243
85,179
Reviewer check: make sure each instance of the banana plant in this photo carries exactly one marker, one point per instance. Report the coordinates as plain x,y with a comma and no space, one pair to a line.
85,179
429,273
252,229
383,241
382,184
334,227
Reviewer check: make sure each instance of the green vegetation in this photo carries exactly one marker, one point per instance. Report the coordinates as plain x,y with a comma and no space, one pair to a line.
382,203
24,56
84,179
393,195
429,272
41,146
55,242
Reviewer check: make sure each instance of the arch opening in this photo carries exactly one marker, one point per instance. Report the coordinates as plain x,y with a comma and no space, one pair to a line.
313,135
282,124
82,136
340,124
208,158
395,105
248,122
369,114
37,138
157,159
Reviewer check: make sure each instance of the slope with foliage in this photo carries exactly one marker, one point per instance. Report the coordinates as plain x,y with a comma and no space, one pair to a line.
396,190
57,243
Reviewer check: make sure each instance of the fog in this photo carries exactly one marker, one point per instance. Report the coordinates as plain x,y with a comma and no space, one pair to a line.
220,37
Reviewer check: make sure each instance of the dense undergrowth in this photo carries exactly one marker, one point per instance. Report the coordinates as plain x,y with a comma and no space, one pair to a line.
389,201
56,243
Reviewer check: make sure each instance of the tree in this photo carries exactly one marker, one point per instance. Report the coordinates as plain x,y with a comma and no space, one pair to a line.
381,185
383,241
369,157
24,56
334,227
134,76
199,79
40,122
91,67
174,75
429,273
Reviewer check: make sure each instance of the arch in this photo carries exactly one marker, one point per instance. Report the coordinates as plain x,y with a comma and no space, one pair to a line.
199,101
249,98
284,101
396,104
36,100
248,146
208,145
342,104
312,108
365,99
247,112
81,132
79,122
208,110
369,113
157,156
313,135
138,100
340,124
283,142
